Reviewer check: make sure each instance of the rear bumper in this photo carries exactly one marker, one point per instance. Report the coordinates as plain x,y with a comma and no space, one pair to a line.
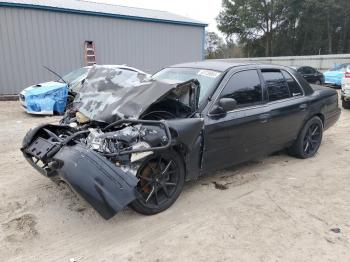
102,184
333,81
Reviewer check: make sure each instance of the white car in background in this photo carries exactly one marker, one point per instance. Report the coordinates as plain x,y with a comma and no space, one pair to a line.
345,89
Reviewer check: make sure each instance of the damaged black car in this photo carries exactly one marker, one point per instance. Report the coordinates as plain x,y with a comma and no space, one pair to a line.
136,141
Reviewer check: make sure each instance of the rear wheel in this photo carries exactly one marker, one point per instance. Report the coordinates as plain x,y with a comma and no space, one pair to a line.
309,139
162,177
345,104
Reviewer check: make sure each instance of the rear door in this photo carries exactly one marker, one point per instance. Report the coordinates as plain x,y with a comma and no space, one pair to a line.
287,107
238,135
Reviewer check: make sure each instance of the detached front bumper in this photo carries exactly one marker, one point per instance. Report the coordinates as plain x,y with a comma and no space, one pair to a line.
101,183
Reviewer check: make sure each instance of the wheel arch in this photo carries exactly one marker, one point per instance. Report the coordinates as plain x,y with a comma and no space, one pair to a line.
320,115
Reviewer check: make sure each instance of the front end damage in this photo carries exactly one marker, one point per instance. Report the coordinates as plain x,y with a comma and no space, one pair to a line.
101,164
101,142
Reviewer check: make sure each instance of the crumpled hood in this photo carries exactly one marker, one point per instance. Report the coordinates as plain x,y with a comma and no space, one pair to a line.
43,88
104,99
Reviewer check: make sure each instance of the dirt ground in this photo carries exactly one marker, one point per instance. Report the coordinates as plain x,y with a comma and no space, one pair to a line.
273,209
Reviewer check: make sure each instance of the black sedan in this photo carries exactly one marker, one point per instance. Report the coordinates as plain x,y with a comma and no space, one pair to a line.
136,142
311,75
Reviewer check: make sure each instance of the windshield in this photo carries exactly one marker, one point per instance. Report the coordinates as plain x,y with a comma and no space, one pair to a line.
341,67
206,78
74,75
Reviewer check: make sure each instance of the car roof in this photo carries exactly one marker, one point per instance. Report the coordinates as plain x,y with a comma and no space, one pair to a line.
299,66
217,65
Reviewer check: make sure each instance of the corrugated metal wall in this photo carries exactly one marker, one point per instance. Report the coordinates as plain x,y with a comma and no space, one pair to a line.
32,38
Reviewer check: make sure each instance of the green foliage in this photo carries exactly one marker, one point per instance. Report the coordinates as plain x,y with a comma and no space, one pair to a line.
216,47
287,27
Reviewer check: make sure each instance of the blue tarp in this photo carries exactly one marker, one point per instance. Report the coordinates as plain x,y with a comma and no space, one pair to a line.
46,98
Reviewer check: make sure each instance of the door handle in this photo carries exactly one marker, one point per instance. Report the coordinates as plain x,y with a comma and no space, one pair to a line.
264,118
303,107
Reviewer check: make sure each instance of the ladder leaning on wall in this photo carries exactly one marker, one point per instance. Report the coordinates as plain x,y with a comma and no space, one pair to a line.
89,53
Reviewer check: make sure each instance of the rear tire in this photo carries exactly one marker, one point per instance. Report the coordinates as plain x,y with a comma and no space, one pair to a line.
162,176
309,139
345,104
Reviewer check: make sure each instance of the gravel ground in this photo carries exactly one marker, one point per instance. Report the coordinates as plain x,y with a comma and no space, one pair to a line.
273,209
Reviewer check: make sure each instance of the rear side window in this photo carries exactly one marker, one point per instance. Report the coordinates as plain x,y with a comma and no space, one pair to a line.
294,88
245,88
276,85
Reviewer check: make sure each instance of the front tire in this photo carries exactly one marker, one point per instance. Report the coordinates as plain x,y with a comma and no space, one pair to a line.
309,139
162,176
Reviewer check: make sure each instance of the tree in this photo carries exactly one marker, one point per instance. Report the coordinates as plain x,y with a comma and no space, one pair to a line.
252,20
287,27
216,47
212,43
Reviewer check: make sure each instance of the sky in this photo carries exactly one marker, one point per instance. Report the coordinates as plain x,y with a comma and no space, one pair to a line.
202,10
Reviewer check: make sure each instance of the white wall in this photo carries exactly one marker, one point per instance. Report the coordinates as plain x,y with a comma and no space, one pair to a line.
320,62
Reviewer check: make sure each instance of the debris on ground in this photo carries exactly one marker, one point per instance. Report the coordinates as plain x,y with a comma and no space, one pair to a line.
335,230
220,186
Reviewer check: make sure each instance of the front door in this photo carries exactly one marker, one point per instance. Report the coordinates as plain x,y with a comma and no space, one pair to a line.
240,134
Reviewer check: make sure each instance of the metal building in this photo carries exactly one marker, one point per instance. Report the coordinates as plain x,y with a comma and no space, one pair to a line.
34,33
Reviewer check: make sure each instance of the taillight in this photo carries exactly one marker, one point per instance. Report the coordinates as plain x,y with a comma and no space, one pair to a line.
347,74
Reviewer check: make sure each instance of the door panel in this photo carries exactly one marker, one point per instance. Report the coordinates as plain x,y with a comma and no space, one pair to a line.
236,137
286,120
233,137
287,112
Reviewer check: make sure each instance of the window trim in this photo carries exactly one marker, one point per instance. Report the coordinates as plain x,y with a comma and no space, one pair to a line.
265,102
295,79
242,108
266,86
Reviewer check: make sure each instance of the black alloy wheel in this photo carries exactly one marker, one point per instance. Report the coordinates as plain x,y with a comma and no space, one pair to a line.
161,179
309,139
312,139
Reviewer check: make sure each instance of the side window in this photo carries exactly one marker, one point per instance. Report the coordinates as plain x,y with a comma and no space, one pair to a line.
294,88
276,85
245,88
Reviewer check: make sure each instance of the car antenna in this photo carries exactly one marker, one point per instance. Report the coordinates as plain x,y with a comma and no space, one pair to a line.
56,74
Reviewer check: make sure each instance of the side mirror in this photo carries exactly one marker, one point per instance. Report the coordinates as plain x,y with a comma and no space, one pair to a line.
224,105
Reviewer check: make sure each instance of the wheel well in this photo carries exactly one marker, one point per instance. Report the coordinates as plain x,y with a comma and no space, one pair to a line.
321,116
181,151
